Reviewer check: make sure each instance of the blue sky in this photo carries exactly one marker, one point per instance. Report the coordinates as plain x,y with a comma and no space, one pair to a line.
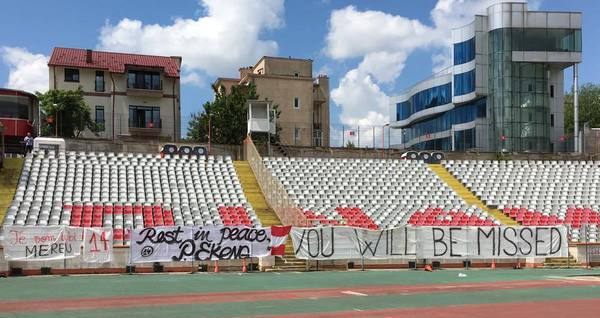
370,49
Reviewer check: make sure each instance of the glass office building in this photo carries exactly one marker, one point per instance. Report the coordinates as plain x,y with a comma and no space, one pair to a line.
505,89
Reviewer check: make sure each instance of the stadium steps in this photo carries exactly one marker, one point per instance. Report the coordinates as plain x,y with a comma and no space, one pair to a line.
562,262
9,178
267,217
289,262
254,195
467,195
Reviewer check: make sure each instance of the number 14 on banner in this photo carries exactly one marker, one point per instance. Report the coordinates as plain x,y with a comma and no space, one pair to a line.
98,245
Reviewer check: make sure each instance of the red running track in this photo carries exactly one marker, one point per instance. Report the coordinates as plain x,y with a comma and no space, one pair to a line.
581,308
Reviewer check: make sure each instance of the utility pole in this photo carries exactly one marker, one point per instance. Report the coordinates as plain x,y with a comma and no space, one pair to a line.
576,107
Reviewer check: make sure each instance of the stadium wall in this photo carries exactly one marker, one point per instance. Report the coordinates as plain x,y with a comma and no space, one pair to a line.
152,146
319,152
121,261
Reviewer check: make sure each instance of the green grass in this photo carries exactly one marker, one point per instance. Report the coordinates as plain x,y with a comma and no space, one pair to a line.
9,177
46,287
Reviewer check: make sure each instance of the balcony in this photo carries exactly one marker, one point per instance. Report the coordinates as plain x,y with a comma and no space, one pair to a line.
149,130
144,92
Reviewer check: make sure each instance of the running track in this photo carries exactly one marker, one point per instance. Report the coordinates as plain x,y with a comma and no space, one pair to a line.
533,309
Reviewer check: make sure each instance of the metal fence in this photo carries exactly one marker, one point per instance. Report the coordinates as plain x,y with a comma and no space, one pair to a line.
163,129
588,245
273,190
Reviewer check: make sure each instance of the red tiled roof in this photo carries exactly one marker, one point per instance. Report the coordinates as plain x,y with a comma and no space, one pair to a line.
111,61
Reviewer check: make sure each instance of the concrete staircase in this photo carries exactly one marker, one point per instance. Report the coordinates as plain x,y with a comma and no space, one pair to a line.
562,262
467,195
254,195
267,216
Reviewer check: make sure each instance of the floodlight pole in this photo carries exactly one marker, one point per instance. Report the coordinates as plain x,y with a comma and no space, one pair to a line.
209,117
576,107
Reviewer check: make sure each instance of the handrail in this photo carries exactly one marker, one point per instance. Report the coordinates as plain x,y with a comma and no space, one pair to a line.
274,192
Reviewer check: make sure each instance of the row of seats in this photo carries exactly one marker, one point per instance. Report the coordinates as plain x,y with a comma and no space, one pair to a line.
371,193
438,217
536,192
128,190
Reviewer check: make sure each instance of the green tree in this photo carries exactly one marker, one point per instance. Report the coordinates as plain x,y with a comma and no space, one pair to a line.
227,115
589,107
350,144
67,114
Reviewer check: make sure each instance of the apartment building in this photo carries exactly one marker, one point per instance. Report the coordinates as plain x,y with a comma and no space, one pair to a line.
132,96
302,99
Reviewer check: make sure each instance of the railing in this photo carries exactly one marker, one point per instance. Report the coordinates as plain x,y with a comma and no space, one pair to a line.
273,190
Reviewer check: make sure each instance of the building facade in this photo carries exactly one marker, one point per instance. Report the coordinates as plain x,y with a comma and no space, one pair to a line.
131,96
505,89
303,101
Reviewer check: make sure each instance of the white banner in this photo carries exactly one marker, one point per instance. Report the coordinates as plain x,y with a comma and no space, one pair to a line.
328,243
41,243
179,243
444,242
487,242
97,245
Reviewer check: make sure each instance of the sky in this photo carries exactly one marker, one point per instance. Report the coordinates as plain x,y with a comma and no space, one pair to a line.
370,49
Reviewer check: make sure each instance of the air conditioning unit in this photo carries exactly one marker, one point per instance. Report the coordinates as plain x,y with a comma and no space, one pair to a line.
410,155
425,156
437,157
185,151
169,149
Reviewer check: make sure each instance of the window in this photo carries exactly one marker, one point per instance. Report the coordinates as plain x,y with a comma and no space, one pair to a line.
14,106
536,39
403,110
552,91
464,51
71,75
464,83
443,122
144,117
551,120
296,102
144,80
296,135
99,81
295,74
100,117
431,97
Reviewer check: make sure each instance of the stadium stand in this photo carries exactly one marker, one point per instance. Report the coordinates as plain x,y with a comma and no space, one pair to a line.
128,190
538,192
372,193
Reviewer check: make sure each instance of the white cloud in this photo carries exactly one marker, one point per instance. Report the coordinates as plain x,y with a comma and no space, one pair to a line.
442,59
192,78
226,37
354,33
362,101
383,41
27,71
384,66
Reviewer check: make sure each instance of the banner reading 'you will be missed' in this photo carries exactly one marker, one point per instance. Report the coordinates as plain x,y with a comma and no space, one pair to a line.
444,242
